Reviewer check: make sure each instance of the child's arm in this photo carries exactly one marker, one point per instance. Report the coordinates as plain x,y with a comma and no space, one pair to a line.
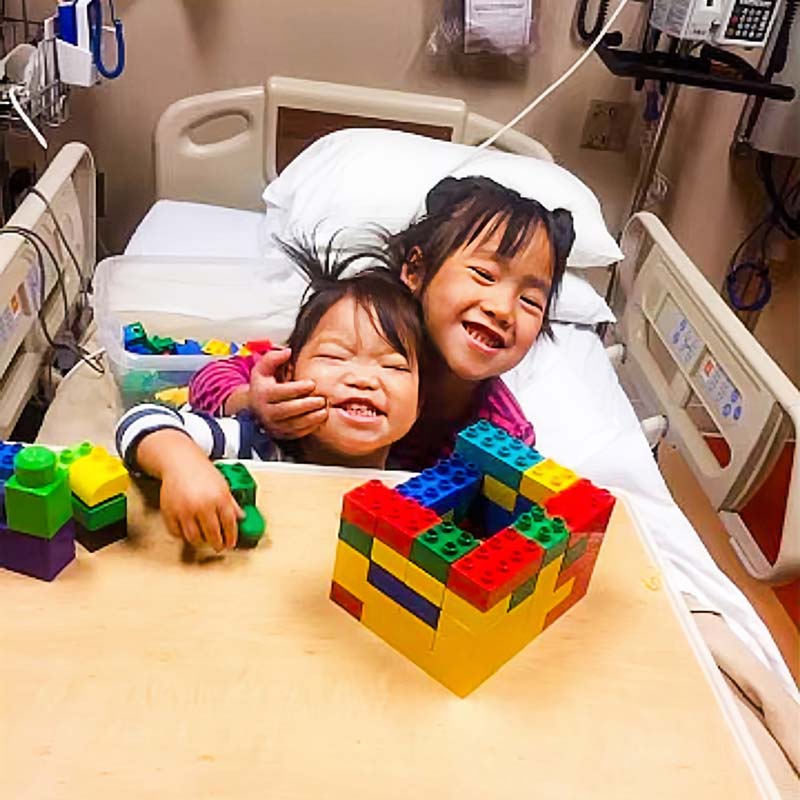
287,410
175,447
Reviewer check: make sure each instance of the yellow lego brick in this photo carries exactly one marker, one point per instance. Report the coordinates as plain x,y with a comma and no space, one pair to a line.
350,569
389,559
546,596
216,347
178,396
243,351
98,477
423,583
499,493
397,627
457,609
544,480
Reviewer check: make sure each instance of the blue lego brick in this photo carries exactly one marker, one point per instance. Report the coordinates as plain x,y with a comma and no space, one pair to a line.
496,452
451,485
190,347
522,506
7,453
488,518
234,348
134,334
403,595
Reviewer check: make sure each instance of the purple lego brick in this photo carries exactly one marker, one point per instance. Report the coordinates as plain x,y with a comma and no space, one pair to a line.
39,558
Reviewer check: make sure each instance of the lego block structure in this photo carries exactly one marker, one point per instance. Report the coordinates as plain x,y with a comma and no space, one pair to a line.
465,564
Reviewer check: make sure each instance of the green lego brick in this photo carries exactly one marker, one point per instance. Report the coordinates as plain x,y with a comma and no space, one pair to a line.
38,499
436,549
523,591
96,517
575,552
356,538
551,534
241,482
68,456
251,528
161,344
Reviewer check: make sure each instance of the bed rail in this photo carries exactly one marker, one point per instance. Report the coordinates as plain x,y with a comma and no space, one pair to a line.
690,357
224,147
69,186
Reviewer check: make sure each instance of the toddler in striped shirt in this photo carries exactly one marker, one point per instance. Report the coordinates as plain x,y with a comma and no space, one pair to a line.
358,339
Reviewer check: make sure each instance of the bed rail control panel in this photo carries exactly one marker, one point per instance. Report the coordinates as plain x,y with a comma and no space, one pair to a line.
69,186
687,352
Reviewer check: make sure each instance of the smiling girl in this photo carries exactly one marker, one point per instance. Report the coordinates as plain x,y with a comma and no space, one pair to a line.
486,265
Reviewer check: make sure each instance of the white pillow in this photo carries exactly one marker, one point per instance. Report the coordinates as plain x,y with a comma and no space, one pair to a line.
359,177
578,302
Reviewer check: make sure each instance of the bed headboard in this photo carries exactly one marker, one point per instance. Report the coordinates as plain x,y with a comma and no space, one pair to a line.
224,147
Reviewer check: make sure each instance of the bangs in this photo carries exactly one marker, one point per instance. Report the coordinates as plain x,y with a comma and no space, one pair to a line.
519,230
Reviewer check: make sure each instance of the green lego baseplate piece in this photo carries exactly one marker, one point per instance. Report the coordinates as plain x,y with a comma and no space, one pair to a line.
241,483
37,497
94,518
437,548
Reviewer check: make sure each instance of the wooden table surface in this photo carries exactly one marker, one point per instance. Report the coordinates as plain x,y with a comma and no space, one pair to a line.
140,673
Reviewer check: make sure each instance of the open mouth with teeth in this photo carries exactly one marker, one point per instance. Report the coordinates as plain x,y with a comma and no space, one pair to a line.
359,408
484,336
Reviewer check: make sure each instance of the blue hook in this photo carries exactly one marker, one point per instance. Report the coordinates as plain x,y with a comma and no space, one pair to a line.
96,36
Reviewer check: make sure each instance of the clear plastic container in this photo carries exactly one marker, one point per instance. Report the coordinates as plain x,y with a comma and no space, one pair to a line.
228,299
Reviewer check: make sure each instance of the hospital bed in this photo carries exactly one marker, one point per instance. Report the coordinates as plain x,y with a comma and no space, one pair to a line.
213,156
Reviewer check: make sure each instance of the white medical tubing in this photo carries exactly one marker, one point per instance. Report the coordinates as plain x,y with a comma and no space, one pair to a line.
37,134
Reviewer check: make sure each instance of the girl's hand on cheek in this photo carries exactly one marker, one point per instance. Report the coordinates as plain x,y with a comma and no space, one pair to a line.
286,410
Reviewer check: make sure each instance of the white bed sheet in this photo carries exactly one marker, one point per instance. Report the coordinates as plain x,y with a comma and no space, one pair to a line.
567,388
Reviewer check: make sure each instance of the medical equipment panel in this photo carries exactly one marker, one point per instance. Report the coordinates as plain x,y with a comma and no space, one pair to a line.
746,23
715,363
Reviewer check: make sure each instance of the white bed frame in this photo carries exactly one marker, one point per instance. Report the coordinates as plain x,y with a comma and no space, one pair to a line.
223,148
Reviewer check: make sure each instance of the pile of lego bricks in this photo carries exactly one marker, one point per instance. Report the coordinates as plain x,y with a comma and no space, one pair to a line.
136,340
51,499
464,564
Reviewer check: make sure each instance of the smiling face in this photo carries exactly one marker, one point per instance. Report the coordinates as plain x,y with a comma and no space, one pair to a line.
484,312
372,390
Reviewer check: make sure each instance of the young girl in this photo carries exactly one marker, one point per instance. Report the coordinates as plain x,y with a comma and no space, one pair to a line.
357,339
486,264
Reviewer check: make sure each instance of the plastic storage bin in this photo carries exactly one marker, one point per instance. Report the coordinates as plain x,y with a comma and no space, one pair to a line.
229,299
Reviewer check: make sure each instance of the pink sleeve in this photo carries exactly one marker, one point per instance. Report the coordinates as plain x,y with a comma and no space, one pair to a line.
501,407
213,384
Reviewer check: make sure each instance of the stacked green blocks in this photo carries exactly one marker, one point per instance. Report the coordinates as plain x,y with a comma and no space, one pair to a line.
243,489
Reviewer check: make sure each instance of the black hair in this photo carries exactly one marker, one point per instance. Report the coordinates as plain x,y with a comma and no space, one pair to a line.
390,304
459,210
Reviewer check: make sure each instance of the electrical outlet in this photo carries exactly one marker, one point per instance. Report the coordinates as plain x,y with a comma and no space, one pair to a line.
607,125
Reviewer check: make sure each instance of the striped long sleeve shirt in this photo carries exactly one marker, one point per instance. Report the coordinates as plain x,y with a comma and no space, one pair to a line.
225,437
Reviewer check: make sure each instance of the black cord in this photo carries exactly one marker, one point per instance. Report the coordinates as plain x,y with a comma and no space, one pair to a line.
37,242
34,191
590,34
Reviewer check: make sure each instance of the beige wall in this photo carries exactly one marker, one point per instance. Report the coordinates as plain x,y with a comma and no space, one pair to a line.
182,47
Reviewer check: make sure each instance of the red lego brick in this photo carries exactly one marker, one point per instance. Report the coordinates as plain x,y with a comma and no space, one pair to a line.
401,520
495,569
581,570
362,505
348,601
259,346
584,507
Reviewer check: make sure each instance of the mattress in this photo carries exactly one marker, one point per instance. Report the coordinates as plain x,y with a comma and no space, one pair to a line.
567,388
